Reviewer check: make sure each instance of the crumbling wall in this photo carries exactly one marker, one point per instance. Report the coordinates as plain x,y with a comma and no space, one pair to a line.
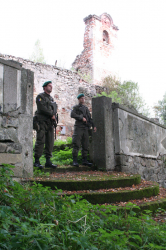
16,102
98,59
66,86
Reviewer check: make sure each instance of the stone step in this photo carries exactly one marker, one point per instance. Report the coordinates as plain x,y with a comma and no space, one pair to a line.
102,197
64,169
88,181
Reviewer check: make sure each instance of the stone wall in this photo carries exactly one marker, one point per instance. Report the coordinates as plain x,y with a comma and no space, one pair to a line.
16,102
140,145
137,135
102,143
153,169
129,142
66,86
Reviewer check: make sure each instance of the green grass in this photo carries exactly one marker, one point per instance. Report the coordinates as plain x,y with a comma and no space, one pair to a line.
61,157
35,217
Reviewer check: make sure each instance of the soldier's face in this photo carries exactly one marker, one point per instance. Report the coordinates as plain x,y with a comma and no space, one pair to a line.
48,88
81,100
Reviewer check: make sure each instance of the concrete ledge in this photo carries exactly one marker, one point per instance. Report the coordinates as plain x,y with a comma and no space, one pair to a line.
10,158
117,105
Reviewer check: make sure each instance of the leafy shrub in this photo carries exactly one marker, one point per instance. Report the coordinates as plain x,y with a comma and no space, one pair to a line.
35,217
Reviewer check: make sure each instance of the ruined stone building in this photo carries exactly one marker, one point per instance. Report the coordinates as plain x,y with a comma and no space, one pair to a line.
97,58
125,140
100,33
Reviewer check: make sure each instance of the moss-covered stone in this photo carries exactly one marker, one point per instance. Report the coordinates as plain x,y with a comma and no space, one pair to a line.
151,206
112,197
92,184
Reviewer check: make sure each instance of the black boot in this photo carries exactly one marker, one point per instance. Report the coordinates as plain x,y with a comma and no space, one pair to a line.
85,162
49,164
75,163
37,164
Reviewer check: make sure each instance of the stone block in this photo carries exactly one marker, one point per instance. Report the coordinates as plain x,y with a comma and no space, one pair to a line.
126,169
3,147
9,134
12,83
160,163
129,159
161,176
153,163
8,121
137,159
154,178
14,148
156,171
103,138
141,170
10,158
143,162
120,160
18,170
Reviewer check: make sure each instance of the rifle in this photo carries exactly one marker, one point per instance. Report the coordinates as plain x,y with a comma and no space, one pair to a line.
55,122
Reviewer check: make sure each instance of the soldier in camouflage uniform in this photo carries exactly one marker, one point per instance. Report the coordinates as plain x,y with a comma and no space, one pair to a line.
44,126
82,124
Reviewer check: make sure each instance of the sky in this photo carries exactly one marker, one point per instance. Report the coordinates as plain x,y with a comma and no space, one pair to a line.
59,25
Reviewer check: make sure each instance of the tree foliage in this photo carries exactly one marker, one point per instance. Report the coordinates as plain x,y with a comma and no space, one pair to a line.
126,93
160,110
37,55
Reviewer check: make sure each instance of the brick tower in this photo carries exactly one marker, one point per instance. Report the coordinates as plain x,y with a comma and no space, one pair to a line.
99,39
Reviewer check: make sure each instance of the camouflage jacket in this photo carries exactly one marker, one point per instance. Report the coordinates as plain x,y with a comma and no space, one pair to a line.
78,112
44,109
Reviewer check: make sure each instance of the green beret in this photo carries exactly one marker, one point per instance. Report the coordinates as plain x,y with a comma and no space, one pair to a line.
80,95
46,83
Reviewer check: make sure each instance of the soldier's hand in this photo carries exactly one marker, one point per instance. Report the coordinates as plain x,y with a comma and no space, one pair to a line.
84,119
53,117
95,129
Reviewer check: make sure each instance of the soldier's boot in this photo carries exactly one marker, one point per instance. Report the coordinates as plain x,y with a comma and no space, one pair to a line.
75,163
37,164
85,162
49,164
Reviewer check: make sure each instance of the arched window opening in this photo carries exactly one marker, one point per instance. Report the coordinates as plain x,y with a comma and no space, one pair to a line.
105,36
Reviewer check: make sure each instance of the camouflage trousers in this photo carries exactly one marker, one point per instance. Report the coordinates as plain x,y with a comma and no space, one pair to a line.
45,136
80,137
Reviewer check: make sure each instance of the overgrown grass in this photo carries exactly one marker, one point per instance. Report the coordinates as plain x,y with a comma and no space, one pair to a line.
61,157
34,217
58,142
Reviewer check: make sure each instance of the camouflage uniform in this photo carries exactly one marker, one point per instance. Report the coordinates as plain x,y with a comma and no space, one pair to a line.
45,134
81,135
